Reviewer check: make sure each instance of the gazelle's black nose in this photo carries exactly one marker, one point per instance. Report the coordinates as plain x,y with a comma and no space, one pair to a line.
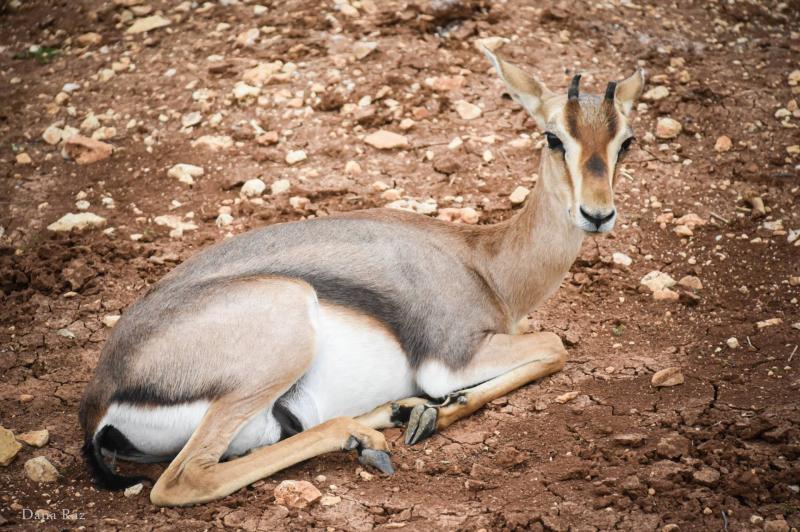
597,218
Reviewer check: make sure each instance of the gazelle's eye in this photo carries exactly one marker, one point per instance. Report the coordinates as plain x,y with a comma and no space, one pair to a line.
553,142
626,145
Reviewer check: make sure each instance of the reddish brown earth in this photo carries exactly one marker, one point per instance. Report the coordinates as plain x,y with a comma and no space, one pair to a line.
720,451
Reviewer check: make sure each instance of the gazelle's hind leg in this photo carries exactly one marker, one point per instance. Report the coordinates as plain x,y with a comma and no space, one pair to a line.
503,364
196,475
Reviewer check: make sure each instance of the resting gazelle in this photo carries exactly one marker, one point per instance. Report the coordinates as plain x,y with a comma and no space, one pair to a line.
303,338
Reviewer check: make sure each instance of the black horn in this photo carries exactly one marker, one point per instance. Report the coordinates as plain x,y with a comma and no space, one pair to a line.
611,90
574,87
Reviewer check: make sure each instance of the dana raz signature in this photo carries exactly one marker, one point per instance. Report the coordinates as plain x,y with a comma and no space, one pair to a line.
63,514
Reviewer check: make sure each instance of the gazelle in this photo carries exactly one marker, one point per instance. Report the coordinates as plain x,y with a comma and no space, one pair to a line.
302,338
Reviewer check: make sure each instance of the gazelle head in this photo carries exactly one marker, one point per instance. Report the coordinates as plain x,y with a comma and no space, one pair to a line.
586,137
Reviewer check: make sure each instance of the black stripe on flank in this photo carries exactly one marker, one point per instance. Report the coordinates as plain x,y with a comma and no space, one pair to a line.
408,327
161,395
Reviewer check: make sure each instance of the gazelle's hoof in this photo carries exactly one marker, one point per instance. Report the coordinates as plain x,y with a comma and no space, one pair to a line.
380,460
421,423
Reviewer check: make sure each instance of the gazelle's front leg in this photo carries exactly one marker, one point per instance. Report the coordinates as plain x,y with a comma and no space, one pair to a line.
503,364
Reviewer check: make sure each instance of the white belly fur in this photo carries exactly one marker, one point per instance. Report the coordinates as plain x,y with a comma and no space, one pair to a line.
358,366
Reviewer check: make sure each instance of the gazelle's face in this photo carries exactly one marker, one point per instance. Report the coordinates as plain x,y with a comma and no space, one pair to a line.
586,138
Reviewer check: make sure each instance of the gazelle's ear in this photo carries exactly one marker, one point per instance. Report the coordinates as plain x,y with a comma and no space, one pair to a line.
629,90
524,88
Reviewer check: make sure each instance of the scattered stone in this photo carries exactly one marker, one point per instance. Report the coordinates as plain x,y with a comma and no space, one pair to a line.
253,188
35,438
90,123
133,491
691,220
446,83
406,124
177,226
110,320
706,476
213,142
185,173
191,119
466,215
391,194
386,140
427,206
566,397
243,91
9,446
732,342
224,219
723,144
79,221
299,203
769,323
519,195
667,377
23,159
666,294
25,398
296,494
621,259
630,439
267,139
52,135
248,38
776,525
656,280
352,168
667,128
260,74
330,500
365,475
691,282
658,92
280,186
85,150
40,469
89,39
362,49
147,24
296,156
683,231
466,110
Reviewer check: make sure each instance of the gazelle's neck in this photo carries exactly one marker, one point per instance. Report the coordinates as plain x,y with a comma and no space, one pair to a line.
537,247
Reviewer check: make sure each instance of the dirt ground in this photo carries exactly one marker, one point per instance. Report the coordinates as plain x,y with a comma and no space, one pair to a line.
719,452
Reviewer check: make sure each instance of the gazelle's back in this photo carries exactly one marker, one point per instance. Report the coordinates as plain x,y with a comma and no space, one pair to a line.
391,271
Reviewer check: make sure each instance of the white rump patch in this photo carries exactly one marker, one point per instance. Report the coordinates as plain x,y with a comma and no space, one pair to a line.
162,431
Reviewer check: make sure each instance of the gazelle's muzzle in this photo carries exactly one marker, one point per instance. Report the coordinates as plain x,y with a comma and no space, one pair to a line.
596,220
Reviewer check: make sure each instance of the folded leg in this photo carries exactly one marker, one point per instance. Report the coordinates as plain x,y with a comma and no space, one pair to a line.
503,364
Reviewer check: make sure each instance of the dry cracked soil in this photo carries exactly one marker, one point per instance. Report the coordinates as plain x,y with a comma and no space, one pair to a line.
718,201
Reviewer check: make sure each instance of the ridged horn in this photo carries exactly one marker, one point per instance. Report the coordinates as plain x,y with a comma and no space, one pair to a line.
574,87
611,90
